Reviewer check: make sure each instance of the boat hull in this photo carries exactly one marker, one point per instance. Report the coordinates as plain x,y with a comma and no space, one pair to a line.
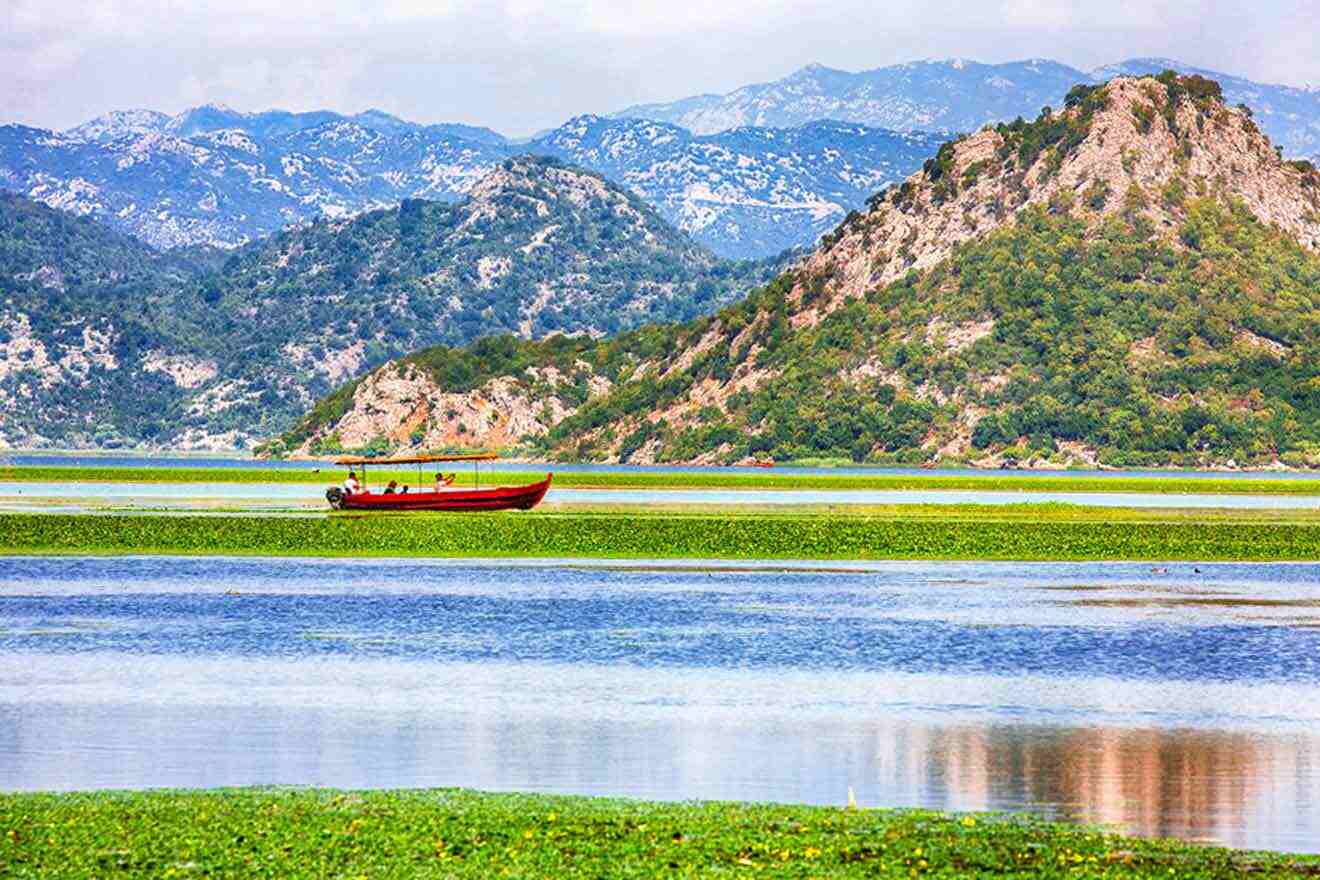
500,498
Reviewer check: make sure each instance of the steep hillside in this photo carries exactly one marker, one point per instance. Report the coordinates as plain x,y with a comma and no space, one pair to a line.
219,177
537,247
1288,115
1132,279
961,95
83,336
106,341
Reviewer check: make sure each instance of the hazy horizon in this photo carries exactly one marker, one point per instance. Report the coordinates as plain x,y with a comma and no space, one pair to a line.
519,66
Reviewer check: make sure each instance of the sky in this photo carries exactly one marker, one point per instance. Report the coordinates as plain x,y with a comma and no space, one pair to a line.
520,66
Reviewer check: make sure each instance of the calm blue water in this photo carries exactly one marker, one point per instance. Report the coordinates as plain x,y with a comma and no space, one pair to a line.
1178,702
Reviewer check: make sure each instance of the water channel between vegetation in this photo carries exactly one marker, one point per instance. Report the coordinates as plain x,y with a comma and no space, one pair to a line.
1180,700
77,496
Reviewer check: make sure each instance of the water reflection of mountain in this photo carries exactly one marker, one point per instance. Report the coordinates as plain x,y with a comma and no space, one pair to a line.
1191,784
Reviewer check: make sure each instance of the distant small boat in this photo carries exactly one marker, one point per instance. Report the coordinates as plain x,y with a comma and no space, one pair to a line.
762,464
494,498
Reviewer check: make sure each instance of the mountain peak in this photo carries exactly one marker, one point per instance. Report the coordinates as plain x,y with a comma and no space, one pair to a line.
1140,146
119,123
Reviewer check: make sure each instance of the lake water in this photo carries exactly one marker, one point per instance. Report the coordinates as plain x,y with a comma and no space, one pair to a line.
1182,702
90,459
84,496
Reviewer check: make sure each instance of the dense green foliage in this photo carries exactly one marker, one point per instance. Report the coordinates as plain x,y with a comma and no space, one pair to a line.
957,534
1196,351
1172,485
68,283
452,833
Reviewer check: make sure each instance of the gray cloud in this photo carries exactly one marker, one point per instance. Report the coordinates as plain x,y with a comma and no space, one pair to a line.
520,66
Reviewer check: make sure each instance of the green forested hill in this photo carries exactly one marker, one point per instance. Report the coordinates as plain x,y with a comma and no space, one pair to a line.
105,341
1129,306
80,306
1146,353
539,247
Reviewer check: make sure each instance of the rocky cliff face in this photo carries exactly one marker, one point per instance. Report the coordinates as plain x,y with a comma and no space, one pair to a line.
1129,279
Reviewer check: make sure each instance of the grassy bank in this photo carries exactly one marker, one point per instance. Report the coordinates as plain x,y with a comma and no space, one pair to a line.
981,535
305,834
1014,482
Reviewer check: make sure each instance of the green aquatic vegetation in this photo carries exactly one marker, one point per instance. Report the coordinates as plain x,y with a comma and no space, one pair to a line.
1172,484
959,535
452,833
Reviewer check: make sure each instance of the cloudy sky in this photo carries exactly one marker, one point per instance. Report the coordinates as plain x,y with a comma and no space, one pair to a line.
520,66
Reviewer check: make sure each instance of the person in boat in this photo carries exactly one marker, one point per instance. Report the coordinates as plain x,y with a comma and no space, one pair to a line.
392,487
443,481
351,484
403,490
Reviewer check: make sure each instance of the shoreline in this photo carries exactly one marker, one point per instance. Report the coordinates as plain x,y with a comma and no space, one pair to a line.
1032,466
314,832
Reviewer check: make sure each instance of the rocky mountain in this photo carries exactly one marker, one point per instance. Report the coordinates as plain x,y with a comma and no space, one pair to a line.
1131,280
1290,116
960,95
106,341
215,176
953,95
746,174
748,191
228,186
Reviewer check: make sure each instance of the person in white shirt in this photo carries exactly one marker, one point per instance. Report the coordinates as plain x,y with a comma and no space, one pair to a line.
351,484
443,481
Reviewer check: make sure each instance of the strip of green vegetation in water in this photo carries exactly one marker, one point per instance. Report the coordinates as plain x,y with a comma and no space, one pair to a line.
448,833
639,536
1017,482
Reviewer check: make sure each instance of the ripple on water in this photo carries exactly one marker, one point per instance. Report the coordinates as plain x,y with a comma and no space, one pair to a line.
1063,688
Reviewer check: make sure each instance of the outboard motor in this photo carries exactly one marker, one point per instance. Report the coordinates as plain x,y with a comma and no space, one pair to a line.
335,496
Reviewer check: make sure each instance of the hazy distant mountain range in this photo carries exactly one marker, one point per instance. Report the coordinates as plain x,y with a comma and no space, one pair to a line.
746,174
961,95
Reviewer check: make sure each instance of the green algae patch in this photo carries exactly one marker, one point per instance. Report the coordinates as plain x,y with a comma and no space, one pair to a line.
961,535
449,833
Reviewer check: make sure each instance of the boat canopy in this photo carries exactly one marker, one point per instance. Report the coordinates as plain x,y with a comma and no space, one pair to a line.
418,459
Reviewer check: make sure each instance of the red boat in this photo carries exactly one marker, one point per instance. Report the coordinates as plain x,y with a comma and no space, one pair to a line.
494,498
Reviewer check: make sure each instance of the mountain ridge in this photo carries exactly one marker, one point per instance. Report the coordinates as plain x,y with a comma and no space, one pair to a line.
926,95
218,176
213,176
